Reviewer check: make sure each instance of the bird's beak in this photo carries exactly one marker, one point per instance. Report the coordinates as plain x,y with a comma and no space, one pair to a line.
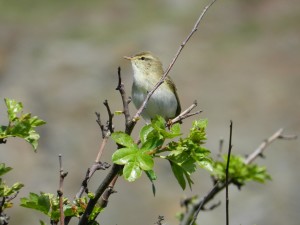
128,57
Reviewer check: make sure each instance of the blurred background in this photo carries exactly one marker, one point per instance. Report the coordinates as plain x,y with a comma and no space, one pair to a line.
60,59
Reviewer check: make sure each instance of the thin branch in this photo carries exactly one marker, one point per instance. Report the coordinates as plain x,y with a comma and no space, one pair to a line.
266,143
227,174
131,123
125,100
109,190
110,117
185,114
60,192
102,187
218,186
140,110
104,129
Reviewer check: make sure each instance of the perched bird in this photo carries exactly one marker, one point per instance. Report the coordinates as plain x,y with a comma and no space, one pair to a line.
147,71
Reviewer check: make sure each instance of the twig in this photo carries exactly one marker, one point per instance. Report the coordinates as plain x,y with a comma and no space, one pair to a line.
102,187
110,117
218,186
266,143
227,174
109,190
125,101
104,129
185,114
140,110
131,123
62,176
159,220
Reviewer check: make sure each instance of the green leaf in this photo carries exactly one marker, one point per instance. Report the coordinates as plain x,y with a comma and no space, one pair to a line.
42,222
124,155
159,124
197,133
20,124
145,131
123,139
145,161
182,166
12,190
13,108
134,160
38,202
151,144
132,171
239,172
4,169
152,177
175,128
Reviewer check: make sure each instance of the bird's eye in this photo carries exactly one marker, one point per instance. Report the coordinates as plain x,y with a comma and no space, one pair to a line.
142,58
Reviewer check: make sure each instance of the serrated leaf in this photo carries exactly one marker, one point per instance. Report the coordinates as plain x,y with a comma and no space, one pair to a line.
175,128
206,164
13,108
12,190
239,172
132,171
182,166
35,121
123,139
40,203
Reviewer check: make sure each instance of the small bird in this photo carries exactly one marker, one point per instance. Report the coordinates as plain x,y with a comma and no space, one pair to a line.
147,71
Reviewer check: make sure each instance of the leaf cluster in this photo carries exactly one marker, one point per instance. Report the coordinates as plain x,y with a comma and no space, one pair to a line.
183,155
20,124
7,193
48,204
239,172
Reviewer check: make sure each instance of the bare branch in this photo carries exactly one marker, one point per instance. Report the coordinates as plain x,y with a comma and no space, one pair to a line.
125,100
110,117
218,186
185,114
227,174
131,123
140,110
60,193
266,143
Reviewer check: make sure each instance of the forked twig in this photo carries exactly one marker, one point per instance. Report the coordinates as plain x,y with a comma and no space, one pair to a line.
218,186
130,124
195,28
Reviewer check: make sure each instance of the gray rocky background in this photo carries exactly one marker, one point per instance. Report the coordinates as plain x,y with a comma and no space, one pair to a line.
60,59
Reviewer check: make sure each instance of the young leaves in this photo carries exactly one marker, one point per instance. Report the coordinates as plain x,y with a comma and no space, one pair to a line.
134,159
186,153
7,193
183,155
20,124
48,204
137,159
239,172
